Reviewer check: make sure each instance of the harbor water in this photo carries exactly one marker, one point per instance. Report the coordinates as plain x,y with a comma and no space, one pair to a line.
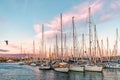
12,71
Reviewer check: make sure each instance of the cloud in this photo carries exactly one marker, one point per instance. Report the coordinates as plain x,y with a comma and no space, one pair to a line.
108,17
37,28
101,11
48,34
14,46
115,4
80,12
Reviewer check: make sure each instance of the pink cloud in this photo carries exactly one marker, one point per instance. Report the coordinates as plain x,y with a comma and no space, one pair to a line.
80,12
37,28
108,17
115,4
14,46
48,34
110,10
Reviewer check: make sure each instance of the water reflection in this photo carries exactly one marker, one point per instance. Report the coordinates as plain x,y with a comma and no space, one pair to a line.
111,74
46,75
18,72
85,76
61,76
76,75
93,76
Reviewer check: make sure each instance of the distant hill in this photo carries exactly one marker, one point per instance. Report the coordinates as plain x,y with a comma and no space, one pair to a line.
16,55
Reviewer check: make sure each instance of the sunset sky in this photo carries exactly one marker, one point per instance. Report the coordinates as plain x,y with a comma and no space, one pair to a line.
21,20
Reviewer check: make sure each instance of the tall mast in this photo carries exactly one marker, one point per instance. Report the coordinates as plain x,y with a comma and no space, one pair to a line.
65,45
116,45
21,51
42,44
83,45
56,47
107,47
116,41
95,36
34,49
73,36
95,41
102,48
39,52
61,36
90,32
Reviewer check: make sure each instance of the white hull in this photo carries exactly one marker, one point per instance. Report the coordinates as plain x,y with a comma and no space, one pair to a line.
32,64
93,68
44,68
114,66
76,68
61,69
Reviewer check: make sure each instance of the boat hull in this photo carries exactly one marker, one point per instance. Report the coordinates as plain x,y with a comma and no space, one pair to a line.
115,66
61,69
76,68
32,64
94,68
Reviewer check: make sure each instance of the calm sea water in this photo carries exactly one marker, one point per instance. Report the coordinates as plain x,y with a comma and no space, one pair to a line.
24,72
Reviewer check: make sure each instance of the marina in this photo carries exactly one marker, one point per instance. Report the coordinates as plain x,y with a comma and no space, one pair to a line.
78,41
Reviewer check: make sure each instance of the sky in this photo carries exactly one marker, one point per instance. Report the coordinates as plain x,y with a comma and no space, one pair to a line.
21,22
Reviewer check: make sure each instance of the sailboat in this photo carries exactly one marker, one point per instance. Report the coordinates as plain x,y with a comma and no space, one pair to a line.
33,63
75,67
91,66
61,66
44,65
21,62
113,65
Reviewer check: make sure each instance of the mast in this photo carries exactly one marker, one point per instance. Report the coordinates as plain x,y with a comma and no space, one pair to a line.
83,45
34,49
116,45
56,47
73,36
102,48
42,44
65,45
99,50
107,48
95,35
61,36
95,40
39,52
21,51
90,32
116,41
